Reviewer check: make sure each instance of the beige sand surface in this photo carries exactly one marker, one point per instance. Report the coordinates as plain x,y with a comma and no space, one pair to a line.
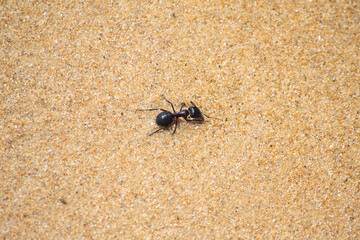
76,158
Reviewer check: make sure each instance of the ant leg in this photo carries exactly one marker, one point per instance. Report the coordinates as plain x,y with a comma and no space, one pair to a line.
181,107
175,126
172,106
156,131
153,109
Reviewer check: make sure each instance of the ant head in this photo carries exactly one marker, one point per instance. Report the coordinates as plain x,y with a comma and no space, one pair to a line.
195,112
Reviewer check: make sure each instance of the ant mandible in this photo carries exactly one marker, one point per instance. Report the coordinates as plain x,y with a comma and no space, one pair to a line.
166,118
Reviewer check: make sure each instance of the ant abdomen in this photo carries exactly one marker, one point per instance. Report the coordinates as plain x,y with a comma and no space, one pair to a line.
164,119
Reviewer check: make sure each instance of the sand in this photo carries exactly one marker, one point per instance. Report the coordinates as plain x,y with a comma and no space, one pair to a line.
76,159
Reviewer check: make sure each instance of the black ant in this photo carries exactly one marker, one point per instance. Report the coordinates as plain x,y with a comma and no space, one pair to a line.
166,118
